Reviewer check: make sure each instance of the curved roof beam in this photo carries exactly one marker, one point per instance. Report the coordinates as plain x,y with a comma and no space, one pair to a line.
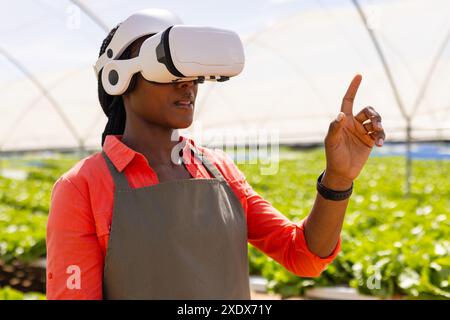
91,15
14,124
105,28
41,87
43,90
383,60
424,87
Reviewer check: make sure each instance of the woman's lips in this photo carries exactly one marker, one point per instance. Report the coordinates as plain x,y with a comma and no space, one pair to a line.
184,104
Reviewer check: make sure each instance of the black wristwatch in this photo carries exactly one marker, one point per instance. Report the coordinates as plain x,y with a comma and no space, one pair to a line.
332,194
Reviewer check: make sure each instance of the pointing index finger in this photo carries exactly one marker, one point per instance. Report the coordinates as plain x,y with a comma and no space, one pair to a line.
347,102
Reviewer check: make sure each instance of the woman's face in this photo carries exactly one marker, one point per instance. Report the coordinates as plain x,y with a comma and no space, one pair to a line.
169,105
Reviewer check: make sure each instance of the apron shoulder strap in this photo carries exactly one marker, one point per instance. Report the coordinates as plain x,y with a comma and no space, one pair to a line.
207,163
120,180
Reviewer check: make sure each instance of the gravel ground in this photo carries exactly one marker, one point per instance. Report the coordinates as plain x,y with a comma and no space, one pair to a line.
268,296
264,296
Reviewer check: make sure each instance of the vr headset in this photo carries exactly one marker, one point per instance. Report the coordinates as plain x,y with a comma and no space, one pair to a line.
177,53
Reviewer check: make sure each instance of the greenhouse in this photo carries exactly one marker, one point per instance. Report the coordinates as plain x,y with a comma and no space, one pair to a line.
300,57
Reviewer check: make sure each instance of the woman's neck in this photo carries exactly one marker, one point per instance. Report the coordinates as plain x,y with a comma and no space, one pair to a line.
154,142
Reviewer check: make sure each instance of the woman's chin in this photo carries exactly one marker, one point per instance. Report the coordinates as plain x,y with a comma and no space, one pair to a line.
182,123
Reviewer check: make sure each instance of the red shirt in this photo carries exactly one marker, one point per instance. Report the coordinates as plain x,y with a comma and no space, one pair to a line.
81,213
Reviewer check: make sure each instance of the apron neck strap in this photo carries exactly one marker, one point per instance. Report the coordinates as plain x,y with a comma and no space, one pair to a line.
208,165
120,180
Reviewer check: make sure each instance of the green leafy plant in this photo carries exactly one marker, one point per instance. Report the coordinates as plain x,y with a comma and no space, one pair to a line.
392,245
7,293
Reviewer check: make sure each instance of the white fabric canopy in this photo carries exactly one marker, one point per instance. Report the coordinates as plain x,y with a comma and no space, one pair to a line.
300,57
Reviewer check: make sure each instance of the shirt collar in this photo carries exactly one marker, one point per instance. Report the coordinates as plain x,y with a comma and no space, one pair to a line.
121,155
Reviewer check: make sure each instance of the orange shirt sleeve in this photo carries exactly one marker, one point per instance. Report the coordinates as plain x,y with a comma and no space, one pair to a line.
74,256
273,233
281,239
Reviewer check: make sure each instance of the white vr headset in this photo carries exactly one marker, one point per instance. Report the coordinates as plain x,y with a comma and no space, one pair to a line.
178,53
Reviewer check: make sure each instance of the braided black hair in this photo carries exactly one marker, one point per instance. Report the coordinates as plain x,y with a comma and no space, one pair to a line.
113,106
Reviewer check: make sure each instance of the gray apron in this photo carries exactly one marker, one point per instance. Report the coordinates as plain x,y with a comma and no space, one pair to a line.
182,239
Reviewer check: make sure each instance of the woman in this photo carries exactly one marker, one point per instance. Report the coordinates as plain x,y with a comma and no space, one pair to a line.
130,223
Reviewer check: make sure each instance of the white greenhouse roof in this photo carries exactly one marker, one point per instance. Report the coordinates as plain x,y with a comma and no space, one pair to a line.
300,57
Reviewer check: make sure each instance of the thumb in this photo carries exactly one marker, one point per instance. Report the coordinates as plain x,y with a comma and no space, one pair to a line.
337,124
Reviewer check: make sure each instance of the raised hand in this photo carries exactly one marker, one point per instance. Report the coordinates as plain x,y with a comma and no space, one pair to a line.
350,139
